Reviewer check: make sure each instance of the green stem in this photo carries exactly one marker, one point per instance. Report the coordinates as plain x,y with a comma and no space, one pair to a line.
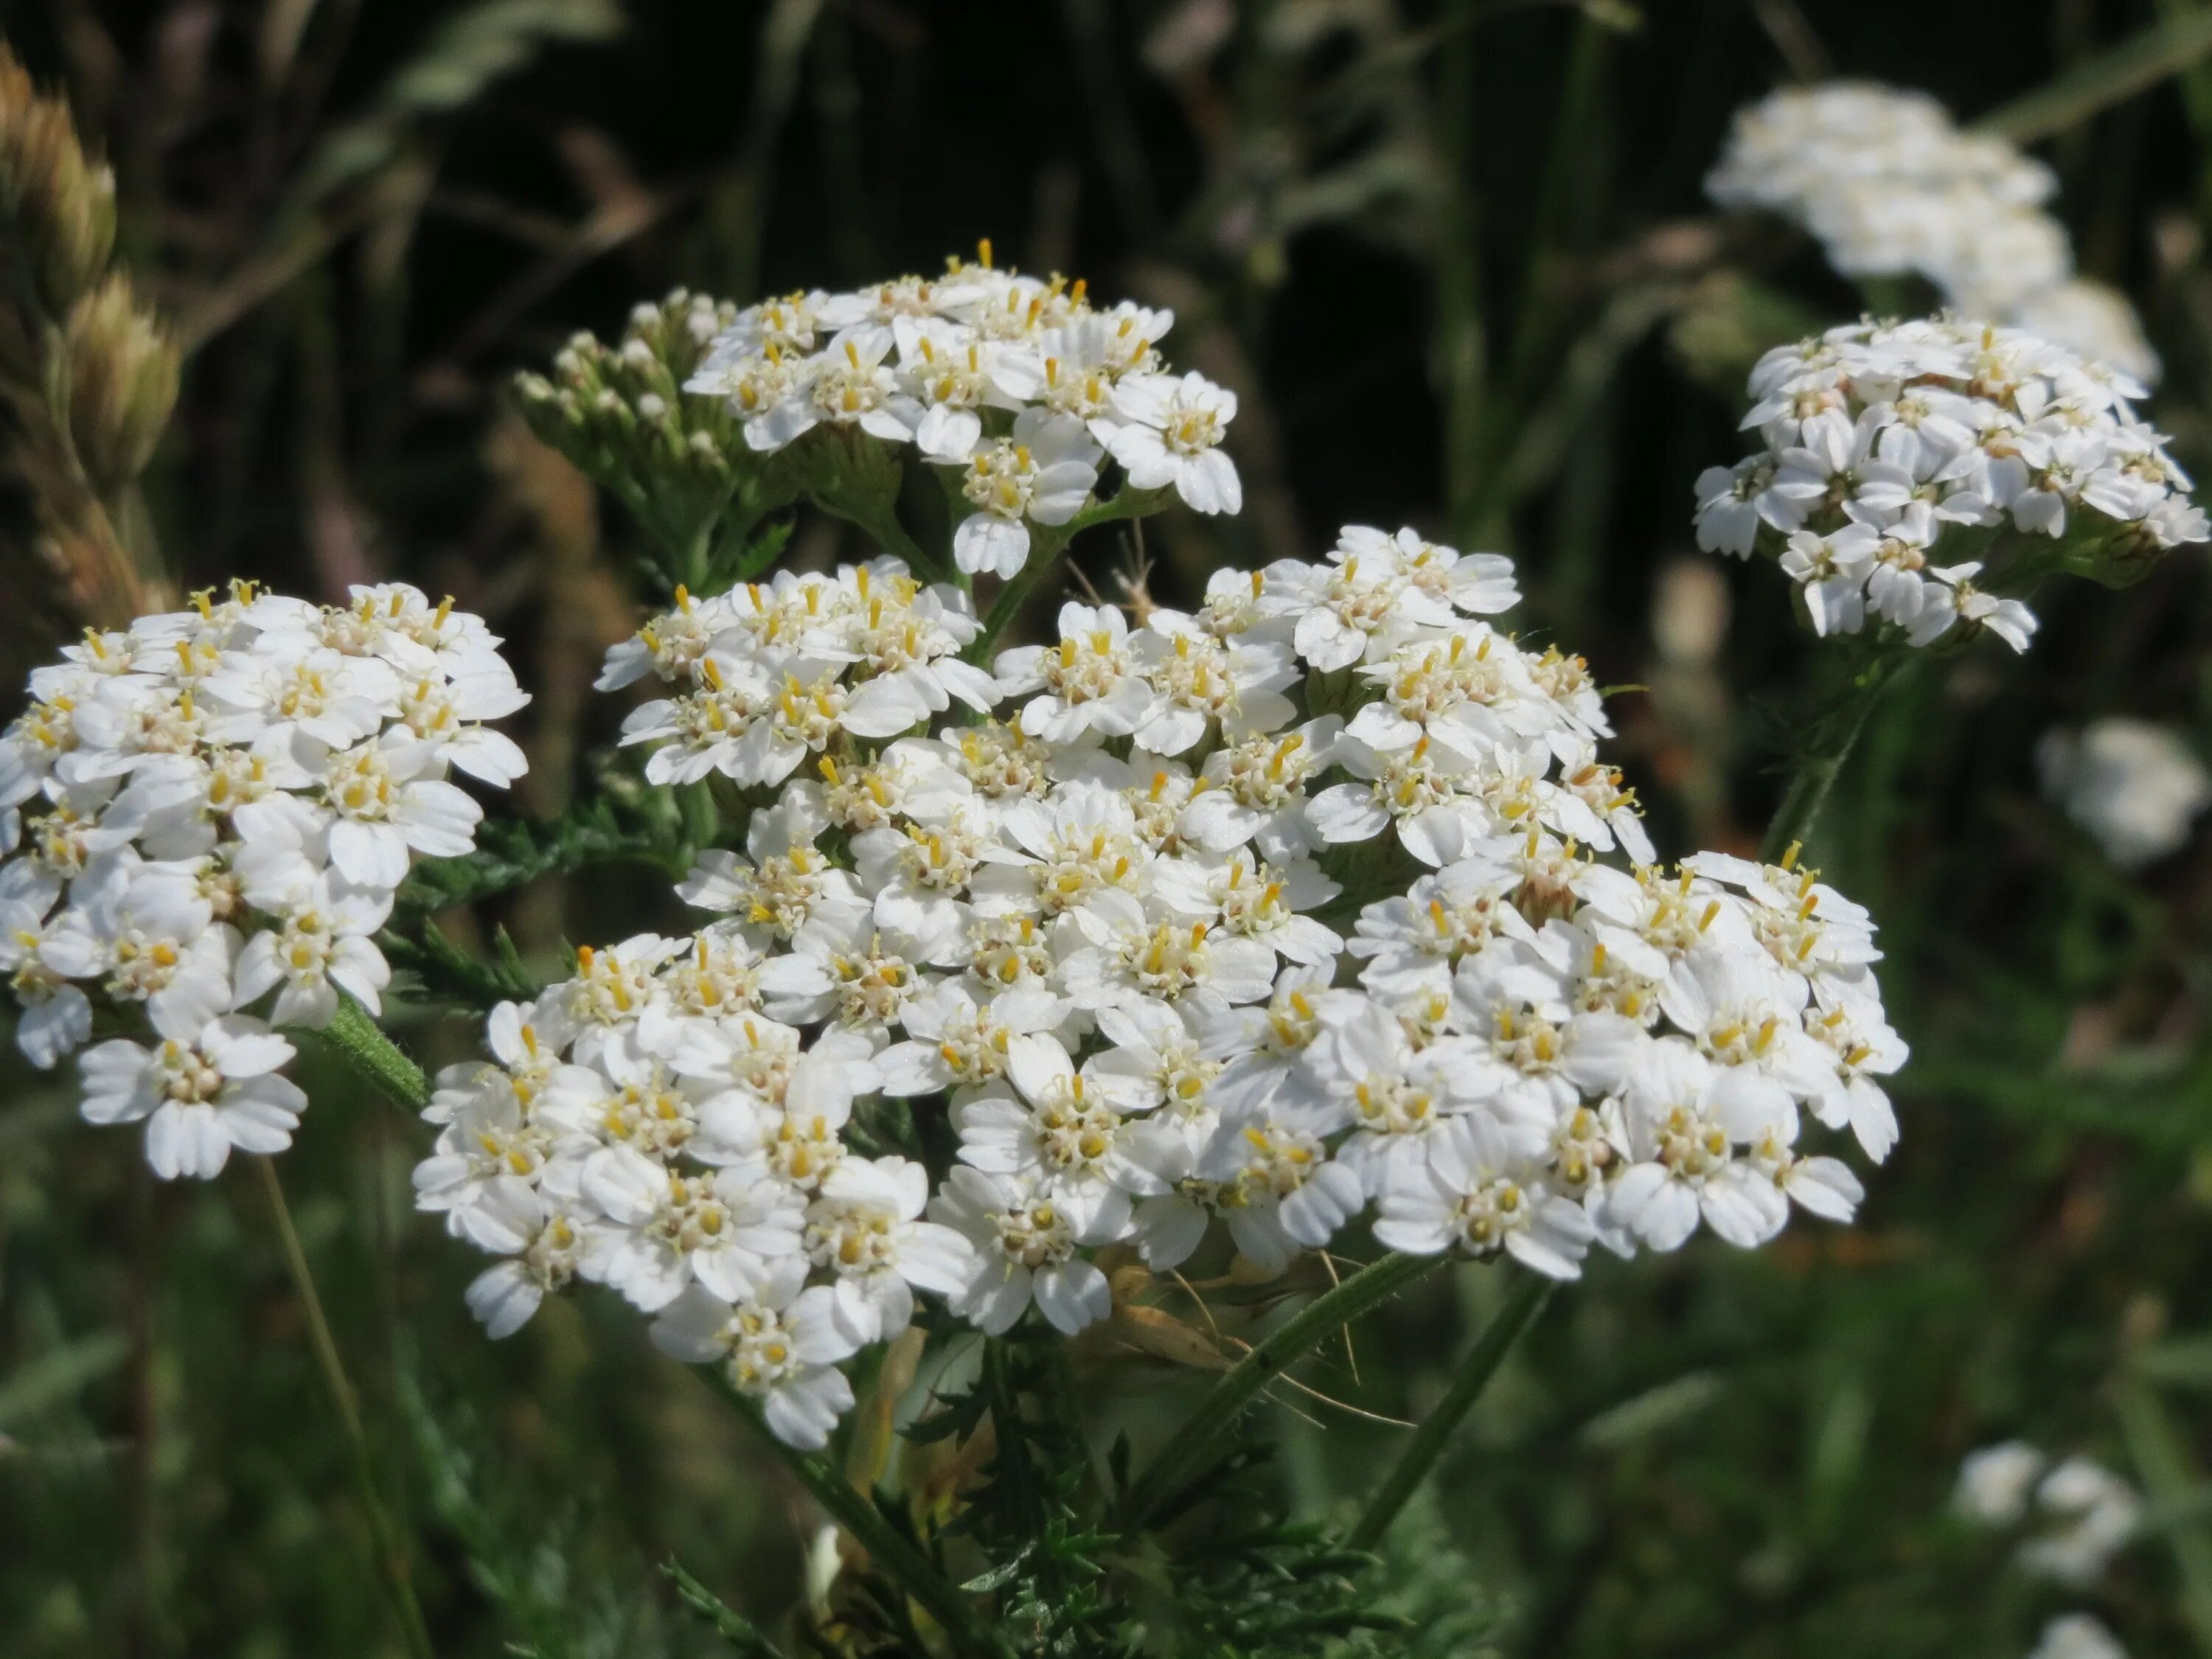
891,1552
880,521
358,1040
1521,1306
1012,596
1817,770
391,1561
1126,503
1187,1452
702,818
1046,542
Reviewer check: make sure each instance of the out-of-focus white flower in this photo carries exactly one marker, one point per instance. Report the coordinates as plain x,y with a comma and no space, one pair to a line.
2089,1514
2077,1636
1996,1482
2136,786
1890,186
2078,1514
1887,184
2094,319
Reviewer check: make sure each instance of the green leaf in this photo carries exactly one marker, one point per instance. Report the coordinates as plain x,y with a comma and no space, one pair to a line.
58,1374
443,967
603,829
2183,1360
756,555
469,50
1002,1575
2140,61
1652,1411
2169,1475
732,1626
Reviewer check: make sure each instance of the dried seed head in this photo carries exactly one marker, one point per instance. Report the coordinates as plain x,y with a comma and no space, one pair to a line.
61,203
122,383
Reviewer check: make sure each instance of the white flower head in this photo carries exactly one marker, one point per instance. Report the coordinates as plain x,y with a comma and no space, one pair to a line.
1171,433
199,1099
1043,472
1023,1239
778,1341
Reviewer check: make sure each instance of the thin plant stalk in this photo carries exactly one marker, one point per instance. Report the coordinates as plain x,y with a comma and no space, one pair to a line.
1808,791
1817,770
1046,542
893,1552
1522,1305
390,1554
1190,1451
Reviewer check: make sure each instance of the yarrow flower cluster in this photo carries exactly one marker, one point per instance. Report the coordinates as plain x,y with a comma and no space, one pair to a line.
1891,452
1889,186
1242,922
208,814
1022,385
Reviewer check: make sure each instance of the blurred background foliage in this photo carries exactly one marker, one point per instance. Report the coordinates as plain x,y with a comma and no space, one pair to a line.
1454,255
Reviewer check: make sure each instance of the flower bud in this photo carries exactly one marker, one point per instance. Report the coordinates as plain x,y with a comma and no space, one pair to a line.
122,383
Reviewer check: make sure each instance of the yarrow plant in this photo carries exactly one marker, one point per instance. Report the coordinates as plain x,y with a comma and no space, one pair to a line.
1241,922
1019,977
207,816
1914,478
1890,186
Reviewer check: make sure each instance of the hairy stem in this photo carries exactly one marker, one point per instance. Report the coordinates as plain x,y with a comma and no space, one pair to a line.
390,1554
1190,1450
1521,1306
893,1553
355,1037
1823,761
